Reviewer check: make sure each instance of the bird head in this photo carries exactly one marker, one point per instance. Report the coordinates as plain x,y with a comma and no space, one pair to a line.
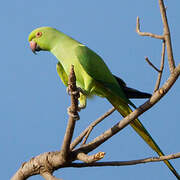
43,38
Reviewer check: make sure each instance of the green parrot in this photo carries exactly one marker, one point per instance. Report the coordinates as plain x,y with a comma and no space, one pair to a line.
92,76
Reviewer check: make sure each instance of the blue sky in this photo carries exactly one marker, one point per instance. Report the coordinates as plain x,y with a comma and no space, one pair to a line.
34,102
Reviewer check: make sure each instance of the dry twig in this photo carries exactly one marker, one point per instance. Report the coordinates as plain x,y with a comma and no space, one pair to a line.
167,36
146,33
74,113
151,64
108,113
90,158
91,126
161,67
126,163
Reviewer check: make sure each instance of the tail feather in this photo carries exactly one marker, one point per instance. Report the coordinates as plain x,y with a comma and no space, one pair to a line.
131,93
124,110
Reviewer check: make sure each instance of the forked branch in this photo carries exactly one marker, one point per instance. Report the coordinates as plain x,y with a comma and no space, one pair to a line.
146,33
167,36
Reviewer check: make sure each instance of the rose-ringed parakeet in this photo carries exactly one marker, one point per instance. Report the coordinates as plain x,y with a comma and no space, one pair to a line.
92,76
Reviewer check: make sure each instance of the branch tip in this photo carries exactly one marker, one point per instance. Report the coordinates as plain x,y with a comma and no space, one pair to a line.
146,33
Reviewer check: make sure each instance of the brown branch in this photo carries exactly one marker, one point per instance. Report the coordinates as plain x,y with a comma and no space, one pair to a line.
97,122
161,67
167,36
45,162
72,116
91,126
90,158
123,123
126,163
146,33
151,64
54,161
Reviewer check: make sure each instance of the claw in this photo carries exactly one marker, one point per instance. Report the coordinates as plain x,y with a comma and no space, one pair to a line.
73,114
76,93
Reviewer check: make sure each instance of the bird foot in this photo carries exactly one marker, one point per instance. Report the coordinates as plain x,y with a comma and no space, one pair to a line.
76,93
74,115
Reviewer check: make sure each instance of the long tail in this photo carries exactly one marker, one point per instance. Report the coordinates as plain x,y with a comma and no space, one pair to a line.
124,110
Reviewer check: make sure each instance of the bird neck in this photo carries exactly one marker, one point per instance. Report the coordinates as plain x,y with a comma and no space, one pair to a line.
63,46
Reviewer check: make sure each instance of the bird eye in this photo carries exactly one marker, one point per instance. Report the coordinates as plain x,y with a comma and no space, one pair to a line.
38,34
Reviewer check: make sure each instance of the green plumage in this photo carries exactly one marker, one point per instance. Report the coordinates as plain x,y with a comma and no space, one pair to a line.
92,75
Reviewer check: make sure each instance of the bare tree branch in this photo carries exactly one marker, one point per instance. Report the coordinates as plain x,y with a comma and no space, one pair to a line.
167,36
126,163
161,67
146,33
45,162
90,127
97,122
151,64
34,166
74,113
90,158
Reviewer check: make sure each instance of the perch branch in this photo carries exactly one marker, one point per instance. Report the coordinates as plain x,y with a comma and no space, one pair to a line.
74,113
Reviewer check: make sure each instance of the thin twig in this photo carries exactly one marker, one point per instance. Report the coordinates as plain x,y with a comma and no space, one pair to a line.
93,124
74,113
167,36
97,122
125,163
161,67
151,64
146,33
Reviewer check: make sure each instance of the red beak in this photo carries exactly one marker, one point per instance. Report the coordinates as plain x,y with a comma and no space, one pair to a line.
33,46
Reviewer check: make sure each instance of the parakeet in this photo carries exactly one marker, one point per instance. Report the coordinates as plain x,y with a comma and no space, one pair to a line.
93,77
